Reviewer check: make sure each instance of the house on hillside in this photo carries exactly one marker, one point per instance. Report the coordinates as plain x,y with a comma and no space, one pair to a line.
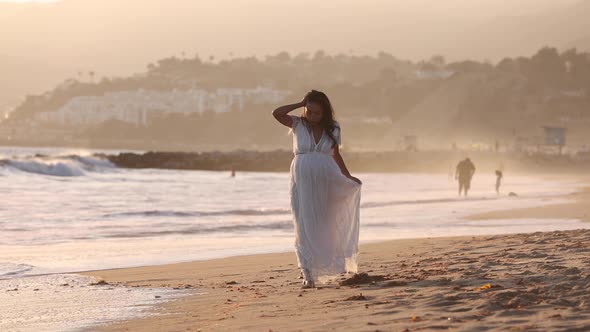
433,74
137,107
429,71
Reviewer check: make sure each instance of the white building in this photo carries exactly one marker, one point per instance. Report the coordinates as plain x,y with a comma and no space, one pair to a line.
433,74
138,106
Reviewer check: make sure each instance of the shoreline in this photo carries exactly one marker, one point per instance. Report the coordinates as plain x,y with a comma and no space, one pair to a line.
470,281
578,209
359,161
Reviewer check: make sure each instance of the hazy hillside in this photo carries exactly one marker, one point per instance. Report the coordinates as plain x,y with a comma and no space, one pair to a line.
435,114
378,99
118,38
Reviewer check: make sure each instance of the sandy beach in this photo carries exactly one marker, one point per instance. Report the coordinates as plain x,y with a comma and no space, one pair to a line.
532,282
579,208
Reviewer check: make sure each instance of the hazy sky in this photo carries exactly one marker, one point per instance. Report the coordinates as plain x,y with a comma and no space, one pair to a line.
119,37
84,30
29,1
478,7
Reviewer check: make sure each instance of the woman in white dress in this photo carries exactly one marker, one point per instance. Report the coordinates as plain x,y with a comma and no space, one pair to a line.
325,198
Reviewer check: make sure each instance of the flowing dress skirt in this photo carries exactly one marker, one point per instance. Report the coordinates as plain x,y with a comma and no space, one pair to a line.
325,206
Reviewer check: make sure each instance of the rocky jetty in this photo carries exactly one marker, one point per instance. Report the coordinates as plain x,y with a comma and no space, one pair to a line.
385,161
237,160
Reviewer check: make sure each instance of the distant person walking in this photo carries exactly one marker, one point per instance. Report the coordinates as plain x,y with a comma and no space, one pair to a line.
325,198
499,177
464,174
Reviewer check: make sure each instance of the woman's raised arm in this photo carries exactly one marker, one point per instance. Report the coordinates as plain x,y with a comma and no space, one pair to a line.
282,113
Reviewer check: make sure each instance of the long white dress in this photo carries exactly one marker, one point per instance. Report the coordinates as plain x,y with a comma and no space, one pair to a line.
325,206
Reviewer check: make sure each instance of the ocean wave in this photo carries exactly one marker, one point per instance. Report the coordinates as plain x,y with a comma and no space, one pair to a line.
270,212
55,169
164,213
11,270
286,225
93,162
425,201
63,166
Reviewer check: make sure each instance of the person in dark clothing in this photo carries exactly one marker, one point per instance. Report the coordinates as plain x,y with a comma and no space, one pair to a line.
499,177
464,173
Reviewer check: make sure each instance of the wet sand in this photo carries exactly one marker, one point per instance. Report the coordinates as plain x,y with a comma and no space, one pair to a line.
578,208
523,282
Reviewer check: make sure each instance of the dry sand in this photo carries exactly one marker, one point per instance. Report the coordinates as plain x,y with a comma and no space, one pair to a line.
532,282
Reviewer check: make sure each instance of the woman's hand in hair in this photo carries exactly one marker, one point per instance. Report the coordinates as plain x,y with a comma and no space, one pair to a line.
355,179
282,113
305,99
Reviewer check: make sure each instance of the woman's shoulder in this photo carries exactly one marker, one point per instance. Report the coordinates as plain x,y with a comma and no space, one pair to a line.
296,119
337,133
336,126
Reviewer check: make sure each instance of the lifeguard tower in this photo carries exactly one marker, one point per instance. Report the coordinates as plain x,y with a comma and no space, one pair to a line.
410,143
555,137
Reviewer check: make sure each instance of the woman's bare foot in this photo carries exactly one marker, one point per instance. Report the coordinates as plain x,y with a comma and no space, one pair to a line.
308,284
307,280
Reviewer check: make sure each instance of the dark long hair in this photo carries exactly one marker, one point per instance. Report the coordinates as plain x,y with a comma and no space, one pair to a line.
328,123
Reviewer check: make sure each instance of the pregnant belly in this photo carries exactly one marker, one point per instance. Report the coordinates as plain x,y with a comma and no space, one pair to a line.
314,165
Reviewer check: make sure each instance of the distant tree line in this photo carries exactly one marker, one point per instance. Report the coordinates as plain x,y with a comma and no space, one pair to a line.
371,92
